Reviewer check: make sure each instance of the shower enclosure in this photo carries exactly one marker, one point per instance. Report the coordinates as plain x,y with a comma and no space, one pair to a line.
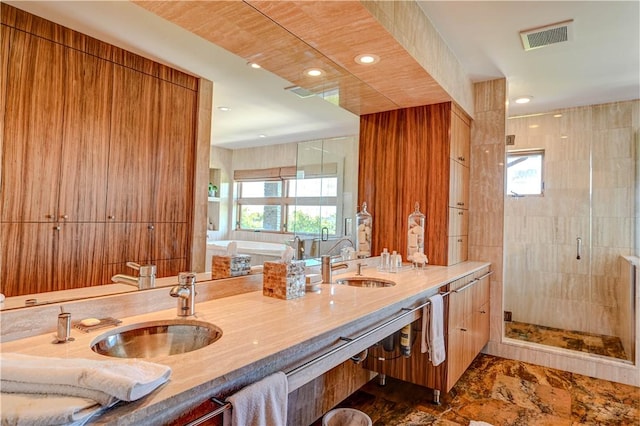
571,212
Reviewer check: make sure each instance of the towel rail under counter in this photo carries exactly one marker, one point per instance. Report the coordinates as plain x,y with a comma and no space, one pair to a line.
224,406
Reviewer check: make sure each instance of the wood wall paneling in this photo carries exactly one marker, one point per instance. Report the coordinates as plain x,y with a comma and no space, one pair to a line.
28,251
87,140
77,255
404,159
175,152
33,130
131,155
85,150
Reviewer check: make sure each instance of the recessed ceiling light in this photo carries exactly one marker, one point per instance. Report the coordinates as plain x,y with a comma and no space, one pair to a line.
564,137
557,115
262,135
524,99
367,59
314,72
224,108
254,65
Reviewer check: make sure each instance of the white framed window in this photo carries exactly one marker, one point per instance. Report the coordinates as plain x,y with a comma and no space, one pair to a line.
286,203
525,172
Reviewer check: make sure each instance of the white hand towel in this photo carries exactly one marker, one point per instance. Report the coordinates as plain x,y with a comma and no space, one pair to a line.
263,403
125,380
433,330
45,410
479,423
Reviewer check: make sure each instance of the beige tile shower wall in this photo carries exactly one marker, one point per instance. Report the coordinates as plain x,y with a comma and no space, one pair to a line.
547,284
413,30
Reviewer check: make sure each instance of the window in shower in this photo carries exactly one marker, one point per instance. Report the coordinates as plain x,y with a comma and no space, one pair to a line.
525,173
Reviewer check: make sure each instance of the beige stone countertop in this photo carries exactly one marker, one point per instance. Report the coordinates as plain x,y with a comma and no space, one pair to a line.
261,335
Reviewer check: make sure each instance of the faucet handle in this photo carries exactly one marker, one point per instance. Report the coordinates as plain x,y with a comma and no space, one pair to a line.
359,265
186,278
134,265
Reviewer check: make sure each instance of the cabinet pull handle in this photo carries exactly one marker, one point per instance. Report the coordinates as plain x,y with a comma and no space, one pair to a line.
463,329
150,227
111,217
459,240
460,203
460,213
461,158
56,228
64,216
483,312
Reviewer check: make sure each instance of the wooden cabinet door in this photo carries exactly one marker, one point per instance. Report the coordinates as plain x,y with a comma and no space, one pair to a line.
459,186
32,130
26,258
85,149
131,152
78,253
174,154
460,136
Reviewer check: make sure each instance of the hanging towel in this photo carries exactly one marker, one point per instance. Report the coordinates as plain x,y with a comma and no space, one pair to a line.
263,403
433,330
125,380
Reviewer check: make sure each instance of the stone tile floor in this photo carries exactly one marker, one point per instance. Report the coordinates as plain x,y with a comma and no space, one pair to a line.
502,392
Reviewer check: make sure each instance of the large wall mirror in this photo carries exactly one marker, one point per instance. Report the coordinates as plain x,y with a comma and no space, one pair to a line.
339,152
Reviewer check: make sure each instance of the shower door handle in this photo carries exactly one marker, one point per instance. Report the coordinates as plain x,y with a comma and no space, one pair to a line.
578,248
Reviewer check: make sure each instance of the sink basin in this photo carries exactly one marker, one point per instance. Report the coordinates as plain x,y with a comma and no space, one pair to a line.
157,338
365,282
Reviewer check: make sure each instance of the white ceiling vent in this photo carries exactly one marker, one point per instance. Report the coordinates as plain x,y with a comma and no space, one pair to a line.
300,91
549,34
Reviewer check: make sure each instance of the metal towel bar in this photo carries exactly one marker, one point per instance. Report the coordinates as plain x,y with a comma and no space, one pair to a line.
348,341
224,406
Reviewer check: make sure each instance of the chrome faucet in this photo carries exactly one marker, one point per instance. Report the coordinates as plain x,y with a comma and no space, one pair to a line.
185,291
328,268
146,276
298,246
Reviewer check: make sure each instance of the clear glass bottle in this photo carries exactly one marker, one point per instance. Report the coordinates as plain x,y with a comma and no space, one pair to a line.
384,260
415,234
364,222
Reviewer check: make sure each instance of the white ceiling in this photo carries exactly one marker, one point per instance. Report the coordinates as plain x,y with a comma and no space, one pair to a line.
601,64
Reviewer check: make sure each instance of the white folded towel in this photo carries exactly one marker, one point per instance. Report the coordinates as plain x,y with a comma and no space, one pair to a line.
45,410
263,403
123,379
433,330
479,423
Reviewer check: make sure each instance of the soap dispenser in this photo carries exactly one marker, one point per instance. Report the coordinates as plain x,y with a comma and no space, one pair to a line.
415,233
364,222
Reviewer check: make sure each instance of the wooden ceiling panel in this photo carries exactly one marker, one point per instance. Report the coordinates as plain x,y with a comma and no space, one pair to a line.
288,38
343,30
